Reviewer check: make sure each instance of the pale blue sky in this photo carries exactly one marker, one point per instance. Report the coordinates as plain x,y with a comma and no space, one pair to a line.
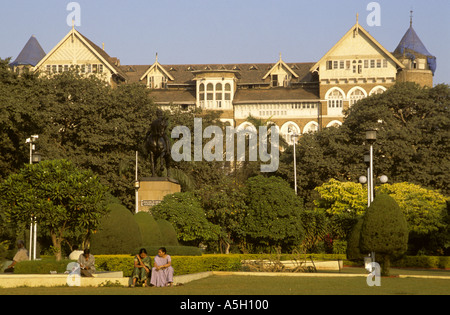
226,31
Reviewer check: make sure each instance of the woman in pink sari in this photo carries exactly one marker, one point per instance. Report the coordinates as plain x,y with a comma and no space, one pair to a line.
162,272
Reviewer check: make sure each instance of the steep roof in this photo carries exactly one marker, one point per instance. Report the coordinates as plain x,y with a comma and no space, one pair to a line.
358,28
412,43
100,53
31,53
411,46
247,73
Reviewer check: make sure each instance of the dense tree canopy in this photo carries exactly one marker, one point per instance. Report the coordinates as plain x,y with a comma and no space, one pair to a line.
78,119
61,197
413,139
183,210
273,215
96,127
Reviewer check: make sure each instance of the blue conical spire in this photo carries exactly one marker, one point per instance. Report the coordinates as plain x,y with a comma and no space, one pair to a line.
31,53
411,42
411,47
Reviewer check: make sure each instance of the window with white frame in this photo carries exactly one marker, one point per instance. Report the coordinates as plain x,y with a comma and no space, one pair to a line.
356,95
335,99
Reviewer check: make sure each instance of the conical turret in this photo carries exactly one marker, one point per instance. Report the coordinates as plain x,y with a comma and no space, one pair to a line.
420,64
30,55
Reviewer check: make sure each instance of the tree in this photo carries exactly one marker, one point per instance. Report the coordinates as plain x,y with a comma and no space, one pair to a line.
77,118
425,211
19,117
60,196
413,130
224,206
96,127
413,125
321,156
273,215
183,210
343,203
384,231
341,197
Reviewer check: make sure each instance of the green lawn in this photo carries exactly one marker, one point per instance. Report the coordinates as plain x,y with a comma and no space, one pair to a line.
262,285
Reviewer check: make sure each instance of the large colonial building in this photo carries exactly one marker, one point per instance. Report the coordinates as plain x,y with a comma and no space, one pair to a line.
297,97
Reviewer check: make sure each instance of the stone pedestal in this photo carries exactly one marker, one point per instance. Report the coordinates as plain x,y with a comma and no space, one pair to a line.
153,189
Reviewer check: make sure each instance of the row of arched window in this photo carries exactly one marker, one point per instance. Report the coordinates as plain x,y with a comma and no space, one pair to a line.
214,92
290,128
336,96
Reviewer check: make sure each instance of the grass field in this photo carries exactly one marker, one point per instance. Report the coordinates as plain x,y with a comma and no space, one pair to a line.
261,285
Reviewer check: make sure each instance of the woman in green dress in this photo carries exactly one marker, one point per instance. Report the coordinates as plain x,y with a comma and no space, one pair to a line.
142,266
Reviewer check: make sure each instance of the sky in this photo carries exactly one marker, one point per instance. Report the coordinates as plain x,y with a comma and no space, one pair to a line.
225,31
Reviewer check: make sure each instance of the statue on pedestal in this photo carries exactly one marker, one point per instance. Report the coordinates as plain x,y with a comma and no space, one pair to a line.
157,143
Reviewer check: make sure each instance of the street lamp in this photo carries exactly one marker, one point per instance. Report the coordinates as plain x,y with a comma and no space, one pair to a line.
34,158
369,183
136,186
371,137
293,137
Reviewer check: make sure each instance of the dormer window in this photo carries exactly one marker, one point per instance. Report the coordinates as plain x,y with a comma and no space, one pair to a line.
274,79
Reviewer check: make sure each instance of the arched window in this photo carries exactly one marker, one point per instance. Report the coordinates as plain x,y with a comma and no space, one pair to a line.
312,126
227,91
289,129
356,95
377,90
335,99
219,94
201,92
334,123
209,92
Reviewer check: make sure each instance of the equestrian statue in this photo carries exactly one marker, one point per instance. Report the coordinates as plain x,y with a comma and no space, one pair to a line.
157,143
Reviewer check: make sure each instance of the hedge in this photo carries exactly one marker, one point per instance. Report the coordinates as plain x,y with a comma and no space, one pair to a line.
211,262
43,266
438,262
171,250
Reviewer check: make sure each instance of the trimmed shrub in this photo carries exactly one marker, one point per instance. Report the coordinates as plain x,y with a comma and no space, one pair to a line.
384,231
220,262
118,232
168,233
434,262
353,251
172,250
149,228
43,266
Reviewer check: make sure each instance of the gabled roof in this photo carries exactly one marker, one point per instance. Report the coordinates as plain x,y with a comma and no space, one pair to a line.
31,53
280,63
357,28
248,73
156,65
97,51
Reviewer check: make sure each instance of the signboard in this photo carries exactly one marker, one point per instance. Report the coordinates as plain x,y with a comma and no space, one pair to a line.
149,203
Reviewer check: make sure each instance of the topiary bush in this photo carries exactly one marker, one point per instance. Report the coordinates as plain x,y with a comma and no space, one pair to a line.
118,232
149,229
168,233
384,231
353,251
